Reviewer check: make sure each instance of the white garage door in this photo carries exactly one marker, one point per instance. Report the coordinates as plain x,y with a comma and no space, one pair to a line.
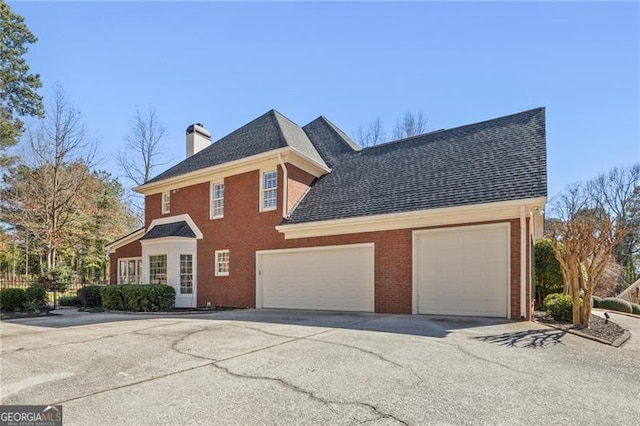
463,271
337,278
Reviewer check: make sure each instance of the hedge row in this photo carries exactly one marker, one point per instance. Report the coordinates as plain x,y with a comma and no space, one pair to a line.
138,298
32,298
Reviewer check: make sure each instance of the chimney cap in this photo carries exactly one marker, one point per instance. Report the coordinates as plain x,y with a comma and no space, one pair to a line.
198,128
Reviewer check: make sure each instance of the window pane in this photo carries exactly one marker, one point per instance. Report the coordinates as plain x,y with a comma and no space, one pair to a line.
222,263
158,269
269,180
217,200
186,274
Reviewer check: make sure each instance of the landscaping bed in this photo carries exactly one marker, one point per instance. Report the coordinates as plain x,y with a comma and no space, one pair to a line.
600,329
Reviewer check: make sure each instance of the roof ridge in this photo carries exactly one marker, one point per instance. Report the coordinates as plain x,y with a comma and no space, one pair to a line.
275,115
542,109
338,131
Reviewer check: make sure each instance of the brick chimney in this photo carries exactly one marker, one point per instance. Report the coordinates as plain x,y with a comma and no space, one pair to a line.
198,138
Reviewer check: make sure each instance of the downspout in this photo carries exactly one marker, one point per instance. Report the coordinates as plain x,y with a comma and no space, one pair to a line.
532,221
523,263
285,186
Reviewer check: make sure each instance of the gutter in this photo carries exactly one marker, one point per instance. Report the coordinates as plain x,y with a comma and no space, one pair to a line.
285,187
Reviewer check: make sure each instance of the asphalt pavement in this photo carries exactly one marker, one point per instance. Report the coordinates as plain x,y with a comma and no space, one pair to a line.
299,367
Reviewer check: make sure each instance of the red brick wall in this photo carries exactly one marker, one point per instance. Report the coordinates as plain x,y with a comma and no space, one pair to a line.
298,183
244,230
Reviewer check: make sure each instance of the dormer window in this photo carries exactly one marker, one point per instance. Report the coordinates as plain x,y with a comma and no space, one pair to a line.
269,190
166,202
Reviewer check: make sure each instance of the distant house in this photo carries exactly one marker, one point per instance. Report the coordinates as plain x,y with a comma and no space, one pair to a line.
631,293
274,215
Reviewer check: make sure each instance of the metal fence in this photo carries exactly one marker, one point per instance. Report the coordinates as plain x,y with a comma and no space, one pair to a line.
56,290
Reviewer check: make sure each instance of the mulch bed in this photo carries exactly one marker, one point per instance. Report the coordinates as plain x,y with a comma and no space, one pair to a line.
600,329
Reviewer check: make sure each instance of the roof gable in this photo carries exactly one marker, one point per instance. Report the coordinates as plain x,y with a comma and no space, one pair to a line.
268,132
496,160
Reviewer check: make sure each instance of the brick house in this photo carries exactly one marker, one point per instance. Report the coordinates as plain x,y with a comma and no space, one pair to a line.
275,215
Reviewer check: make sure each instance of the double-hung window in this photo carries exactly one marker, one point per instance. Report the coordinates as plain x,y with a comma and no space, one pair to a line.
221,263
186,274
166,202
269,190
217,200
158,269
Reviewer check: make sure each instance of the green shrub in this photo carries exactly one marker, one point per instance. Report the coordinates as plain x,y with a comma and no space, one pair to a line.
12,299
112,298
595,301
35,297
69,301
138,298
616,304
90,296
636,308
559,306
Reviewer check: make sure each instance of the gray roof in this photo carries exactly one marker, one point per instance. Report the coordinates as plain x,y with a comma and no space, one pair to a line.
496,160
175,229
329,140
266,133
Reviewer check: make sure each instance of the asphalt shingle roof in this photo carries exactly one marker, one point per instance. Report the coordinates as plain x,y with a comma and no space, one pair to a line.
329,140
496,160
266,133
175,229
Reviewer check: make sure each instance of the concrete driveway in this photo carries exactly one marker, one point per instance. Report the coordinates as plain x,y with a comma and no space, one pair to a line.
295,367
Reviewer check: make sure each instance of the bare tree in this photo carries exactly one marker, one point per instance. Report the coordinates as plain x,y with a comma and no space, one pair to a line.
371,135
142,153
410,124
58,166
583,240
618,192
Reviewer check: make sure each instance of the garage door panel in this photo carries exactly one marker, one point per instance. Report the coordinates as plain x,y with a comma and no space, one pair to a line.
331,278
463,271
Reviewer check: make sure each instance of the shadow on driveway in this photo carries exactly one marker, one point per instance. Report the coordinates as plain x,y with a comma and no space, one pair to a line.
417,325
532,339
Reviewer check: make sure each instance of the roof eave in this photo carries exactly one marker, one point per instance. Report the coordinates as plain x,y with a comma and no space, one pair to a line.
315,168
502,210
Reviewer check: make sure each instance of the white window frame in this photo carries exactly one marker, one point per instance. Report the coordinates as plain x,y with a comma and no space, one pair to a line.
137,278
264,190
166,267
218,263
181,274
212,212
166,202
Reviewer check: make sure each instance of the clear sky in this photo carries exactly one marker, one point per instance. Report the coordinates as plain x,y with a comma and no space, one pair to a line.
224,64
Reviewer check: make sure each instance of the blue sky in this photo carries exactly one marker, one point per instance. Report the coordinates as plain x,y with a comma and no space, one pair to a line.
224,64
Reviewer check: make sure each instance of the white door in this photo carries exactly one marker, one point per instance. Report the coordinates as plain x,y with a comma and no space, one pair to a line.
462,271
336,278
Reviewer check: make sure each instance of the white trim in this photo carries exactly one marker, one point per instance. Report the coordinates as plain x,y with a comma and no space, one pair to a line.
502,210
211,199
216,263
414,257
233,168
260,253
523,262
172,219
262,190
111,248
